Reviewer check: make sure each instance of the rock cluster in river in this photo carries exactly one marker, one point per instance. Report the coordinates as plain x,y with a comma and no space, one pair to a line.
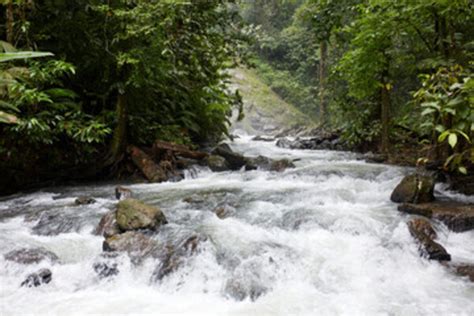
415,192
319,140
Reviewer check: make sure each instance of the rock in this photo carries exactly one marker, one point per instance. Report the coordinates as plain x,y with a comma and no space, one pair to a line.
223,211
135,244
265,163
122,193
374,158
459,217
234,160
421,230
284,143
108,225
240,290
133,214
84,200
43,276
56,222
465,270
281,165
263,138
31,255
175,258
106,267
217,163
462,183
414,188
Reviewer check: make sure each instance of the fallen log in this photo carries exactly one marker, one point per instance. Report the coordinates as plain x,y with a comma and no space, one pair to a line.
160,147
152,171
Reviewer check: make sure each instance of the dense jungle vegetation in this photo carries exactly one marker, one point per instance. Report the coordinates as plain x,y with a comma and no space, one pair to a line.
80,80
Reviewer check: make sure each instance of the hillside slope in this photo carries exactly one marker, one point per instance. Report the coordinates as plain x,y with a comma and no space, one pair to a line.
265,112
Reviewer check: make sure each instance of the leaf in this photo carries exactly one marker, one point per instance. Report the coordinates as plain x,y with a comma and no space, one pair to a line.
453,140
22,55
462,170
443,136
8,106
428,111
7,118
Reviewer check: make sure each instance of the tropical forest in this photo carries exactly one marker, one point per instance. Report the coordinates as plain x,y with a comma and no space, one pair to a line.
237,157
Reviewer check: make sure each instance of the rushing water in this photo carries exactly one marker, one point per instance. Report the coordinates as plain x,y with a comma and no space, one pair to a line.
322,238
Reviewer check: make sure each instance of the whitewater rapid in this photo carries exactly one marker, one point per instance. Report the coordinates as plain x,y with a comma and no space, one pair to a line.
320,239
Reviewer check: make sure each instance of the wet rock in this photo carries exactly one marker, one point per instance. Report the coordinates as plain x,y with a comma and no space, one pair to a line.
374,158
458,217
84,200
152,171
465,270
43,276
263,138
240,289
175,257
217,163
322,140
133,214
31,255
194,199
265,163
135,244
421,230
414,188
284,143
223,211
57,222
234,160
108,225
122,193
106,266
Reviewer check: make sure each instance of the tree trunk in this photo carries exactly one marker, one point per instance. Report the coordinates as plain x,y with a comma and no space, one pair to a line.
9,25
385,113
119,140
323,50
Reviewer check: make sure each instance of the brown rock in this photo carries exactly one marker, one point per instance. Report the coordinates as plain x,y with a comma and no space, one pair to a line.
465,270
136,244
421,230
147,166
108,225
459,217
133,214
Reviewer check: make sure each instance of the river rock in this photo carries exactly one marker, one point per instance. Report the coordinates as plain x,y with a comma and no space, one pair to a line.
240,289
217,163
108,225
133,214
414,188
56,222
84,200
263,138
223,211
122,193
152,171
234,160
265,163
43,276
107,265
464,270
175,257
459,217
135,244
31,255
421,230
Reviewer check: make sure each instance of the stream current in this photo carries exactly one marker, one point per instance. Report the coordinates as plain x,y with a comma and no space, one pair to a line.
320,239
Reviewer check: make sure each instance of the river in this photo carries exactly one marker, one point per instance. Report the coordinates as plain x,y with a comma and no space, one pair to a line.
320,239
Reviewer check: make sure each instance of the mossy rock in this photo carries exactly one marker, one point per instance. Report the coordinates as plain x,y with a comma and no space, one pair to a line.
133,214
414,188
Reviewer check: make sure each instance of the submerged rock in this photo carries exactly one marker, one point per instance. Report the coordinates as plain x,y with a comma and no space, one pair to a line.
422,231
459,217
174,258
43,276
31,255
241,289
122,193
414,188
464,270
223,211
106,266
108,225
57,222
265,163
133,214
84,200
135,244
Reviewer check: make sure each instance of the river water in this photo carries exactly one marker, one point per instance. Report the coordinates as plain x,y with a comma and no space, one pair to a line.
320,239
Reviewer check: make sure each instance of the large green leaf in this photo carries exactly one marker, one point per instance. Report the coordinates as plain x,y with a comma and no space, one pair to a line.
22,55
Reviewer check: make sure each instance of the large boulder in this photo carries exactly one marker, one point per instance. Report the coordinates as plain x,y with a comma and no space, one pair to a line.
133,214
414,188
108,225
422,231
31,255
135,244
234,160
459,217
217,163
43,276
